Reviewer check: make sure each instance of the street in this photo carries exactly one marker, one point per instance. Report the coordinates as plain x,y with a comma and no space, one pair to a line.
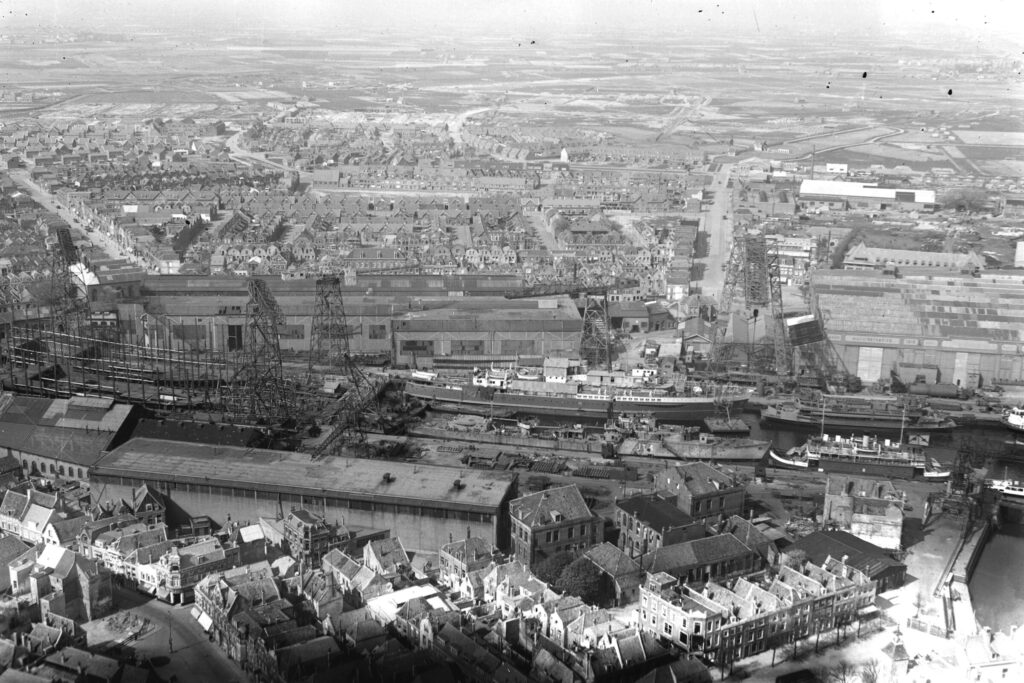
718,226
178,646
44,199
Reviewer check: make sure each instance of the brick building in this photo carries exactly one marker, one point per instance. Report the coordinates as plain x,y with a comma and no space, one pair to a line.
647,522
552,521
705,493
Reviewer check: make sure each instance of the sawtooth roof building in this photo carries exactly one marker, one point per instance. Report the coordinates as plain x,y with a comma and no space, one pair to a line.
970,330
422,504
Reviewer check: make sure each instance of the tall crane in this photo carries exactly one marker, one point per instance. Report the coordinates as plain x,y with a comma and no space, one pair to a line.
752,273
596,343
258,388
329,345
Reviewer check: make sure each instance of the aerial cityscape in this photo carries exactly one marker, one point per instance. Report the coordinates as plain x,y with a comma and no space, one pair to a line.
582,342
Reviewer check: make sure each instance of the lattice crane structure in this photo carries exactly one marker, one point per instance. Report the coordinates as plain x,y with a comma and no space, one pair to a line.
259,394
329,346
596,343
753,273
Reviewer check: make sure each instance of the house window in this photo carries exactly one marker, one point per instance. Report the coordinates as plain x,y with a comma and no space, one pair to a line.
668,628
378,332
571,530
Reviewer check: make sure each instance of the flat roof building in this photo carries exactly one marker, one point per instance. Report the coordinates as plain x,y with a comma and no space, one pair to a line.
422,504
829,195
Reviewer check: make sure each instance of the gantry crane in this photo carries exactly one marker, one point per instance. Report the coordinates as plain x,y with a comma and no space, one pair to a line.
596,342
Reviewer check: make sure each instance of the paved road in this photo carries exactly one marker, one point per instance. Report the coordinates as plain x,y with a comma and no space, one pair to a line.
456,122
193,657
718,225
49,202
246,157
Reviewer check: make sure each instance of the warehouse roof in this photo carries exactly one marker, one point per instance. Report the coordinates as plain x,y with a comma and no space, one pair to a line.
840,188
74,430
288,472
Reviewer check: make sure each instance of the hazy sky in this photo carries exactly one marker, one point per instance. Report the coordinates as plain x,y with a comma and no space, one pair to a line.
521,17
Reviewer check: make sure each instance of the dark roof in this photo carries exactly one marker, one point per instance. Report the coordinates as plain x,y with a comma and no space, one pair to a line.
611,560
655,512
699,552
867,557
553,506
199,432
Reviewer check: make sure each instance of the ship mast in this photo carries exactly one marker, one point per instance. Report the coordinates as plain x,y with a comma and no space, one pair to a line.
822,435
903,422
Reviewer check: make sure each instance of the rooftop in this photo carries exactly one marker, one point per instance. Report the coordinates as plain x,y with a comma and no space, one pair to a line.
285,471
701,551
553,506
74,430
654,511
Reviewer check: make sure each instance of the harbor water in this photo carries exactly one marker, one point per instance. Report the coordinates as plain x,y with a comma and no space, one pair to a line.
997,594
997,590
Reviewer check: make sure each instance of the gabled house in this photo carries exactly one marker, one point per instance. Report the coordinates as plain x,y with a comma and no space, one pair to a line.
620,574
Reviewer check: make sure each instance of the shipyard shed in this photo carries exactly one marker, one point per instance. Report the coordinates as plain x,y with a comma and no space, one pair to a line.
484,330
61,437
970,328
421,504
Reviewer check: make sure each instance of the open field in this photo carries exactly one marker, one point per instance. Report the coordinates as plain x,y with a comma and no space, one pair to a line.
991,137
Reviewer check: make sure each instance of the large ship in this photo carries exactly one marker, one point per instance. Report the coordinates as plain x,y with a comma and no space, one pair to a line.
863,455
1012,489
1013,419
572,392
858,413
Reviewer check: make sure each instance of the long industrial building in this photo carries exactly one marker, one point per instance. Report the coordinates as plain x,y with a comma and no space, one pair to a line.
838,195
960,329
422,504
389,317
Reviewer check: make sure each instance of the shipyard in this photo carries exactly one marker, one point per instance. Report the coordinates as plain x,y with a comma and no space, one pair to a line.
584,343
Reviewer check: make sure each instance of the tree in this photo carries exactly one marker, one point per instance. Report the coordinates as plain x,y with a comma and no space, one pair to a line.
869,671
550,568
582,579
970,199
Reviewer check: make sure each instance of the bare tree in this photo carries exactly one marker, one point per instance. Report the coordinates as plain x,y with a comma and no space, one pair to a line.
840,672
869,671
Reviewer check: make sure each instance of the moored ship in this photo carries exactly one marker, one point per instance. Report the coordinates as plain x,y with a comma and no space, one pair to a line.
1013,419
863,455
859,413
573,392
1013,489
